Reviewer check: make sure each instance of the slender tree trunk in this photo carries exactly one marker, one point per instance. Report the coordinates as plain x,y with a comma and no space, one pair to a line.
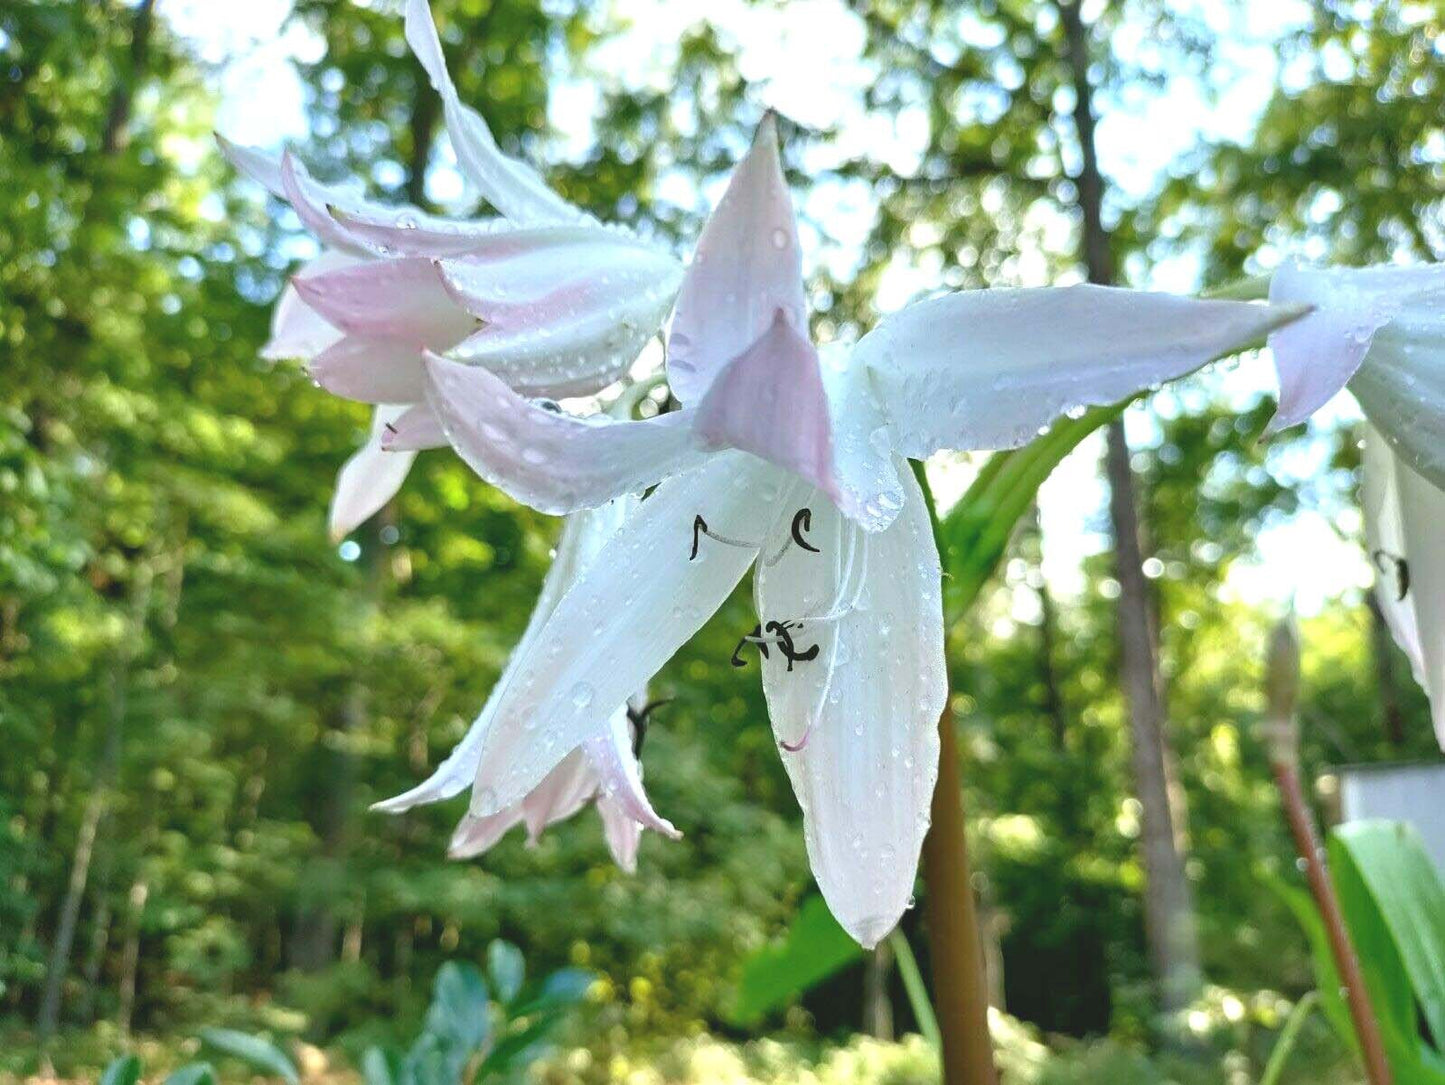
130,954
877,1003
107,769
1169,919
1048,635
117,120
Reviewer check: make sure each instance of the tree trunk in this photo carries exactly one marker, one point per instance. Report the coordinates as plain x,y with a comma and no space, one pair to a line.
1169,919
130,955
117,120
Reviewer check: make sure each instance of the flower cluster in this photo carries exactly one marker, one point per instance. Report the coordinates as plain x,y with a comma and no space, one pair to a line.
784,457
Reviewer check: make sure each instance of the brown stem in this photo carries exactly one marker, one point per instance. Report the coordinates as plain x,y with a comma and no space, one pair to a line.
1306,842
960,995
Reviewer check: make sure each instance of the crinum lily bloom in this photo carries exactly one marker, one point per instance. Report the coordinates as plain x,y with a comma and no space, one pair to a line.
1380,331
1404,521
554,302
794,464
603,769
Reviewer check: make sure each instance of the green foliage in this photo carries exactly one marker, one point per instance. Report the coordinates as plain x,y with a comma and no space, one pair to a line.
254,1051
814,948
468,1033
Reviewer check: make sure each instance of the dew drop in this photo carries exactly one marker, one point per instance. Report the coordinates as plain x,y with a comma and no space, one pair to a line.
582,694
780,238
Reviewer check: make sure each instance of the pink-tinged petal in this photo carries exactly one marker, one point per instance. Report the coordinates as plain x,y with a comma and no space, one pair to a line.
415,430
311,203
647,591
562,792
475,835
370,370
623,835
297,330
620,775
406,234
857,723
261,167
554,462
989,369
514,189
566,321
369,479
402,300
748,265
770,401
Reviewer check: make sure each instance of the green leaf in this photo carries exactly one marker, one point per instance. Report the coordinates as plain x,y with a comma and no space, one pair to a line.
124,1070
459,1011
193,1073
815,948
381,1066
975,534
561,990
255,1051
506,969
1401,878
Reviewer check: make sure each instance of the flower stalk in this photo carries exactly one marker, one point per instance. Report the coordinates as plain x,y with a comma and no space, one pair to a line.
960,989
1281,734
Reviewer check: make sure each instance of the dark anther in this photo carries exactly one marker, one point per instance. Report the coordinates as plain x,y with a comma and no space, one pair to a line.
638,717
786,644
802,522
550,405
1397,566
737,659
391,430
699,525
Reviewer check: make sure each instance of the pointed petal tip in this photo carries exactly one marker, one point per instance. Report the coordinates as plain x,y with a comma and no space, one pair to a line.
868,931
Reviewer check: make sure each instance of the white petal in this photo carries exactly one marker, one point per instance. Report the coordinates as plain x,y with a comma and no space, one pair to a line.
554,462
583,536
987,369
401,233
865,481
1422,508
297,330
623,835
859,723
1385,537
748,266
1318,354
643,596
403,300
563,321
513,188
370,478
1401,386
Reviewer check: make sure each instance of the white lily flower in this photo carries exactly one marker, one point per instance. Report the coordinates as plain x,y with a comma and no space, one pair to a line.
603,767
796,466
1379,330
1404,514
552,301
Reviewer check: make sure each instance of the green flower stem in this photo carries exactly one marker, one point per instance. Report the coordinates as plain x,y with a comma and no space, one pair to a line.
914,987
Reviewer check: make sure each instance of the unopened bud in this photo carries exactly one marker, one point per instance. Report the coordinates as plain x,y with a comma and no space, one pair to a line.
1281,689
